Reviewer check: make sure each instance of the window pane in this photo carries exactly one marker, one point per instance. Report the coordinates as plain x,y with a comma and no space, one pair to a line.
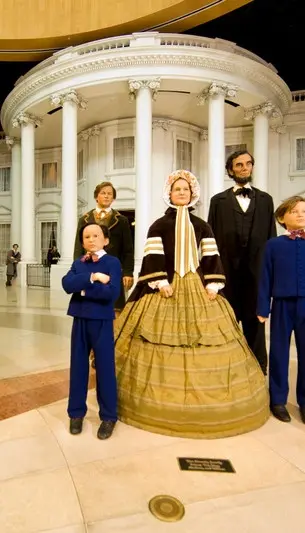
184,155
5,242
231,148
80,165
49,176
300,154
5,179
48,238
123,152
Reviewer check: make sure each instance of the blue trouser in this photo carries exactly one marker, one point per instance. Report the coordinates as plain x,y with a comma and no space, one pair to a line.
287,315
96,335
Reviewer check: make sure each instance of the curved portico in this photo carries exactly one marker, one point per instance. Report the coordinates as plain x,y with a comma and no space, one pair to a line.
154,80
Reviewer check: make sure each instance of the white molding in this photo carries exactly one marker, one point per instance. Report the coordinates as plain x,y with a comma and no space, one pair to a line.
155,59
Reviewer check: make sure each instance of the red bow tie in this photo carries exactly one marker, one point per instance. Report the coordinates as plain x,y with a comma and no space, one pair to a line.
90,257
297,233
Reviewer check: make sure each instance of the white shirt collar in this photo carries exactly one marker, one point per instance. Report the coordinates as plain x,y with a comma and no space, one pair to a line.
100,253
236,187
287,231
99,209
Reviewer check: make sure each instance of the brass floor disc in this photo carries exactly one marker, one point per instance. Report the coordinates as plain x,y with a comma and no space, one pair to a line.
166,508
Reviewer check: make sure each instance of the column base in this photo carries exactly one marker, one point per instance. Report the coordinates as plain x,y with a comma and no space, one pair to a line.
57,273
21,279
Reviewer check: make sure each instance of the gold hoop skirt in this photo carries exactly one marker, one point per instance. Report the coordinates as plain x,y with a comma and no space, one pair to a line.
184,367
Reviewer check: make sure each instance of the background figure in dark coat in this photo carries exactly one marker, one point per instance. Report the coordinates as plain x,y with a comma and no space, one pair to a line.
120,240
12,260
53,256
242,221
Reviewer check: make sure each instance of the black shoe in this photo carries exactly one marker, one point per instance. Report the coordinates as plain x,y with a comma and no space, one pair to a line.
76,425
280,412
105,430
302,413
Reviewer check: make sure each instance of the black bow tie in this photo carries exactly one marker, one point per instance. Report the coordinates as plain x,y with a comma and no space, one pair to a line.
244,191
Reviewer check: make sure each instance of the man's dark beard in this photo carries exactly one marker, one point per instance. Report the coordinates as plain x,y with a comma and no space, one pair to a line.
241,180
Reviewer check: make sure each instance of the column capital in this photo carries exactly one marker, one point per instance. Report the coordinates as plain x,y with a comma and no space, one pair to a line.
203,135
216,88
280,128
11,141
58,99
23,119
90,132
161,123
135,85
267,108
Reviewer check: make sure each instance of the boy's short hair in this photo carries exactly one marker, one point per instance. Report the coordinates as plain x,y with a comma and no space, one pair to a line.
101,186
103,228
287,206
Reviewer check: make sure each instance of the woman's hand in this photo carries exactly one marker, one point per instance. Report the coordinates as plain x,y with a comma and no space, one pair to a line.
262,319
166,291
211,294
127,282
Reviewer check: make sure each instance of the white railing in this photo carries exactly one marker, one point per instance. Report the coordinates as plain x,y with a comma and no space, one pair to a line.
298,96
144,39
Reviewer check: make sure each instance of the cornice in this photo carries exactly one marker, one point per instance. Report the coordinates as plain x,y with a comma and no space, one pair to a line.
44,82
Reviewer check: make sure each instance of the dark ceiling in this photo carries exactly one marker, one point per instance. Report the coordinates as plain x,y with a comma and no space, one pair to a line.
272,29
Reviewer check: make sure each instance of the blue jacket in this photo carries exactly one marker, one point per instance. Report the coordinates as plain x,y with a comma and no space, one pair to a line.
98,301
283,272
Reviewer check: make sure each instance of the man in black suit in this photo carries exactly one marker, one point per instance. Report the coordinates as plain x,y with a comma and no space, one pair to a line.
242,221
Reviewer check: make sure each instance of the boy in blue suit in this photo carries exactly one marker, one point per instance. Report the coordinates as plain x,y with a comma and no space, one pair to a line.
283,280
94,282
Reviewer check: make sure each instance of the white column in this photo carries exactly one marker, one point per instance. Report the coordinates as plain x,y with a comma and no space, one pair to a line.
91,136
27,122
260,115
203,174
15,147
275,161
161,165
143,91
70,102
261,150
215,94
68,180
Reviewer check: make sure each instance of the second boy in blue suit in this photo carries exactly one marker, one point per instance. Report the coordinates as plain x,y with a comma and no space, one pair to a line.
283,280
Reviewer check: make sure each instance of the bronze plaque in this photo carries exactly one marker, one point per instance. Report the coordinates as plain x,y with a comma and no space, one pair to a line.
166,508
201,464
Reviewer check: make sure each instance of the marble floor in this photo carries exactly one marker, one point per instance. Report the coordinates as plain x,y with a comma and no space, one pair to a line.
51,481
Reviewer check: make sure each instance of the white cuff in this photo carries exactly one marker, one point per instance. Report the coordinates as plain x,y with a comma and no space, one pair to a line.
214,286
158,284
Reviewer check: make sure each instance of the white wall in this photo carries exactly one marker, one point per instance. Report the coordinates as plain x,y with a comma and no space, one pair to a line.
284,180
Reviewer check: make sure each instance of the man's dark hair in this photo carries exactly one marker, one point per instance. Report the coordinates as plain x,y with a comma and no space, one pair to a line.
287,206
103,228
229,163
101,186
